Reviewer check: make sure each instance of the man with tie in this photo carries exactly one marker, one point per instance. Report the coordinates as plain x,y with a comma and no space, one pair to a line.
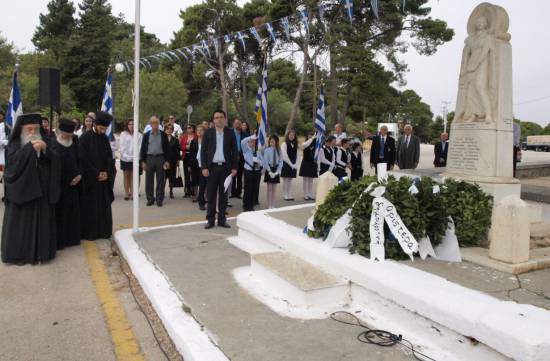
408,149
440,151
219,159
382,149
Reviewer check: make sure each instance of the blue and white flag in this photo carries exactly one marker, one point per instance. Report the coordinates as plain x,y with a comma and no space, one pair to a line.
174,55
348,5
286,26
182,53
166,56
216,43
241,37
254,32
304,16
322,15
403,4
261,109
227,39
206,47
320,124
107,103
271,31
198,48
374,6
191,53
15,105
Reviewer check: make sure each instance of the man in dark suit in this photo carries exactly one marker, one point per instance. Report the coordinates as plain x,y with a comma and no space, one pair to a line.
152,155
440,151
219,159
237,185
408,149
382,149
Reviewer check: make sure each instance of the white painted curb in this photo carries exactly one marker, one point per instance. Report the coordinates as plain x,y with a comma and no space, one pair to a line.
519,331
189,337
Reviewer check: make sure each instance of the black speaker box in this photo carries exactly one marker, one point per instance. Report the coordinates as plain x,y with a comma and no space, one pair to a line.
49,87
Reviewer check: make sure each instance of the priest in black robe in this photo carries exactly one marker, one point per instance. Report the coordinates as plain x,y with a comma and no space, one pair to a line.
96,161
65,145
32,189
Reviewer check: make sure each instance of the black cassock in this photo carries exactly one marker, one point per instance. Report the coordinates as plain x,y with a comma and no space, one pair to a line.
32,189
68,207
95,156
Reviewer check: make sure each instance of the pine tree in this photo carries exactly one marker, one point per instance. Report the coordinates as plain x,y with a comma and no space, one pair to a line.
55,28
89,52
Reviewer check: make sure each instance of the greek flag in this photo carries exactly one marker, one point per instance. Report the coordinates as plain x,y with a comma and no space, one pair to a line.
15,105
261,109
304,15
206,47
403,4
322,15
348,5
271,31
241,37
107,103
286,26
320,123
255,33
374,6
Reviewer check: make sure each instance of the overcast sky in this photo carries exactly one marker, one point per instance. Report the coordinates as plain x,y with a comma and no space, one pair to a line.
434,78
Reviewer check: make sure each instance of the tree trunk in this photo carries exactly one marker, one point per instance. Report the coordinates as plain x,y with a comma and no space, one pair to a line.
332,93
300,89
346,104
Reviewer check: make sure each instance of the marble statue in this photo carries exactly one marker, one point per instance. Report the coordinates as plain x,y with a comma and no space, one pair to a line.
478,83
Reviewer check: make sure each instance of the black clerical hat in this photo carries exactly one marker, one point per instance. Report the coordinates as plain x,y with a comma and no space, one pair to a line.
66,125
103,118
29,118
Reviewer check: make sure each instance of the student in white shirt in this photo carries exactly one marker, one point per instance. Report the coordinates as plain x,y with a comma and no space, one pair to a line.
327,158
126,144
289,153
273,164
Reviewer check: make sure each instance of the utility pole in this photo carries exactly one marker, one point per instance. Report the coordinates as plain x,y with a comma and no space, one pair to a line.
445,111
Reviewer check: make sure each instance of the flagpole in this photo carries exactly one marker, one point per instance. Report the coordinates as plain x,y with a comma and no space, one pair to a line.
136,165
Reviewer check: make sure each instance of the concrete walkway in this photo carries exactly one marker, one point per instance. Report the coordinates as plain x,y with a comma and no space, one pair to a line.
199,264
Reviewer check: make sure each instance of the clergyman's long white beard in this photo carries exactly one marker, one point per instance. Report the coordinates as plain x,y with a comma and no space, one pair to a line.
64,142
25,138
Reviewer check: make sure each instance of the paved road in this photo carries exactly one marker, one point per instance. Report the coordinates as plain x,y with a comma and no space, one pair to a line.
52,311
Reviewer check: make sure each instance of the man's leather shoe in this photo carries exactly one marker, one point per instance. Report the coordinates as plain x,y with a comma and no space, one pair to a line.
150,203
159,204
209,225
224,225
202,208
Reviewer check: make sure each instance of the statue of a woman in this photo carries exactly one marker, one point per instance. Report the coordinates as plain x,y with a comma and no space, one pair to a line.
476,94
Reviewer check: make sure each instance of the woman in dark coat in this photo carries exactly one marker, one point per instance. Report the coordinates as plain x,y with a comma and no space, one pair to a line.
356,161
173,157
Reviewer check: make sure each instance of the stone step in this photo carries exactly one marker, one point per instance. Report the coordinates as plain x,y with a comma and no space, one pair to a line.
297,281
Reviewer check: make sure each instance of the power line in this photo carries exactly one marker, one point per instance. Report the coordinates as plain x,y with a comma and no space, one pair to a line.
533,100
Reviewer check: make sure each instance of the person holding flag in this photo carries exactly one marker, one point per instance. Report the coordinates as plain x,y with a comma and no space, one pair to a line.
308,168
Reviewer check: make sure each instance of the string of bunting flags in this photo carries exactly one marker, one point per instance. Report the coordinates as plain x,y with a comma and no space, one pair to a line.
203,48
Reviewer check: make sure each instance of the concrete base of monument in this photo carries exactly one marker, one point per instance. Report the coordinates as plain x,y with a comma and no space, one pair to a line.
442,317
539,258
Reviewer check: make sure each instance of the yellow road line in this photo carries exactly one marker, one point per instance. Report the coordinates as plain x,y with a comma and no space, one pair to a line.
124,341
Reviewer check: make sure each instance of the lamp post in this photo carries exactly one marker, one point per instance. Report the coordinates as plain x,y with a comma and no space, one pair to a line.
135,168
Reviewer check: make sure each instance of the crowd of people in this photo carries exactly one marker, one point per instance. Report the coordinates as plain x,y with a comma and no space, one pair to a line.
59,185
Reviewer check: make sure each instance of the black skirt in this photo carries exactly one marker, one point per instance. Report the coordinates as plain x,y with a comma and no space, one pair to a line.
126,165
308,169
268,179
288,172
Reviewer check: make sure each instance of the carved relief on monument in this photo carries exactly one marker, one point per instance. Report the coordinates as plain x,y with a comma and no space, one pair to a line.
477,99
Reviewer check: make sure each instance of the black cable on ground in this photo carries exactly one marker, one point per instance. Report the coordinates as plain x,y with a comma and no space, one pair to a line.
114,252
380,337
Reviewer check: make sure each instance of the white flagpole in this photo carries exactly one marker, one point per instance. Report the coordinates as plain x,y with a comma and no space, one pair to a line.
136,165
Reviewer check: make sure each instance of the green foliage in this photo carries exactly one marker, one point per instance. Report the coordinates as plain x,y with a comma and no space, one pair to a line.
161,95
470,209
424,214
530,128
84,67
55,28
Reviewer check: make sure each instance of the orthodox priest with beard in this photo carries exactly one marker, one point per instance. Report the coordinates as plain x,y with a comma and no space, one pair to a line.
65,145
96,161
31,192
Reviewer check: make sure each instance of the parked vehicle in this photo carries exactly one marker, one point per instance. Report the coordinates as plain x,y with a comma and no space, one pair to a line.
393,129
538,143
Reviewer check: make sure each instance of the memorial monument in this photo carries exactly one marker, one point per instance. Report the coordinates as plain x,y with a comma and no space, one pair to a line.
481,144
